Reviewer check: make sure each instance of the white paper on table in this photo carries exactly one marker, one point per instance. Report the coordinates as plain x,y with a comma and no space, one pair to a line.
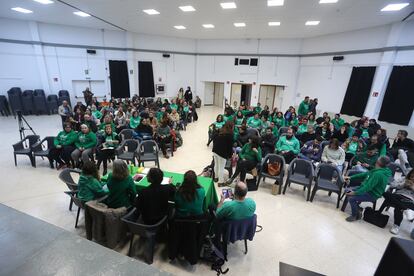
165,181
145,171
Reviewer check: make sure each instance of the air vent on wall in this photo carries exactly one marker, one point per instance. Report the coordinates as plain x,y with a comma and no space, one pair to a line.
254,61
91,52
244,61
338,58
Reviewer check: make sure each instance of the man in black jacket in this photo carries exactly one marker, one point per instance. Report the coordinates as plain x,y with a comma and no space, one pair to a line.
188,96
268,142
403,149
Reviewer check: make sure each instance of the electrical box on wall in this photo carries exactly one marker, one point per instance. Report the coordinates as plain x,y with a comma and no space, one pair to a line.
91,52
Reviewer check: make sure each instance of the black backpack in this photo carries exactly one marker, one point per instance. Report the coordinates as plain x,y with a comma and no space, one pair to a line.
211,254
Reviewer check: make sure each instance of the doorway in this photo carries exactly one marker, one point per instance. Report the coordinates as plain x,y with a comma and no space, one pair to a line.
240,93
118,70
218,94
213,93
271,95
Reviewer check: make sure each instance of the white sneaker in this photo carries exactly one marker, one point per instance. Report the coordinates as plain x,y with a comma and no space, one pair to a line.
395,229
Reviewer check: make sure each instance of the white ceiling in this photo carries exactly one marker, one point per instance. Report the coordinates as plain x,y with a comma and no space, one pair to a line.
343,16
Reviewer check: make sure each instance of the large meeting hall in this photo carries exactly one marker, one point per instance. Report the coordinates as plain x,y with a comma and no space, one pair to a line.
207,137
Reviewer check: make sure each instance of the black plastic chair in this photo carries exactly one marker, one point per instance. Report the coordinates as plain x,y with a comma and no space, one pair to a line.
4,106
300,172
63,93
269,159
42,148
78,202
127,150
15,99
328,178
66,177
148,232
27,102
148,152
20,149
39,100
52,104
126,134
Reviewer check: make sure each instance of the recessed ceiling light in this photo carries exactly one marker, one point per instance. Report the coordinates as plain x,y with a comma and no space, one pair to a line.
18,9
240,24
228,5
81,14
187,8
395,7
151,11
208,26
327,1
272,3
45,2
312,23
275,23
180,27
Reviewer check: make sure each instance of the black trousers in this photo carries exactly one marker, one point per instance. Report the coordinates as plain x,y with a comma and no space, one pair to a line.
399,202
243,167
103,156
163,144
61,155
289,156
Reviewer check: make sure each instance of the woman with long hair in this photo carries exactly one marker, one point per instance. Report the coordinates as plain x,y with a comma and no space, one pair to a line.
334,154
89,185
106,149
222,150
121,186
189,198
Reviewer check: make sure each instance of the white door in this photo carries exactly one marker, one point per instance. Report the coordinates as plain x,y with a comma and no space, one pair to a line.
218,94
235,95
208,93
279,97
270,97
263,94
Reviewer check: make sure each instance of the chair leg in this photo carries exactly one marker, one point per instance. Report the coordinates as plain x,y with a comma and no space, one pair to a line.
15,160
130,245
77,217
33,160
258,180
313,193
374,205
70,204
286,184
344,204
338,201
309,191
245,246
150,250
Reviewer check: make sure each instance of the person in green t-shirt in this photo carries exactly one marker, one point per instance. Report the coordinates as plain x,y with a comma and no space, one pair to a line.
257,109
189,198
95,112
64,144
239,118
364,161
121,186
106,150
214,128
303,127
279,120
89,186
254,122
304,107
85,143
239,207
294,122
134,120
338,122
352,146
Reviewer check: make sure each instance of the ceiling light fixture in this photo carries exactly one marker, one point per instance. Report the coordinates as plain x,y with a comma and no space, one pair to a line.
328,1
187,8
151,11
44,2
22,10
273,3
395,7
240,24
180,27
228,5
275,23
208,26
312,23
81,14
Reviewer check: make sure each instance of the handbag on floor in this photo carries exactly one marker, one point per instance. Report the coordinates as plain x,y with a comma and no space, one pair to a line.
375,217
251,184
273,168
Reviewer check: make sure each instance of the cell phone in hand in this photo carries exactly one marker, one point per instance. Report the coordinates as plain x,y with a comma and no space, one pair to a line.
227,193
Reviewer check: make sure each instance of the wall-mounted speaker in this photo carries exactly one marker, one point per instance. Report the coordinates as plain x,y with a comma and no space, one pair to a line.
254,61
243,61
338,58
166,55
91,52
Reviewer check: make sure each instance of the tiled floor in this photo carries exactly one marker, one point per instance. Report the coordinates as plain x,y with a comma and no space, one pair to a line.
314,235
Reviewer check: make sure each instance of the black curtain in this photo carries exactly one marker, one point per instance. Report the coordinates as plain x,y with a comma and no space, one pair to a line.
398,104
357,93
146,79
118,71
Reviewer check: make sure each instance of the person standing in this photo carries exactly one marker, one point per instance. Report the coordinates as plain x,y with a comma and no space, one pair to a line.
88,95
65,111
304,107
188,96
222,150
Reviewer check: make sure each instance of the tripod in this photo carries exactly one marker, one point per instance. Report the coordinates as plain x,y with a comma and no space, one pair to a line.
23,125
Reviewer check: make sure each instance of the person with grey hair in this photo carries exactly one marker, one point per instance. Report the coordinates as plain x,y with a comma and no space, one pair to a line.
121,186
372,186
238,208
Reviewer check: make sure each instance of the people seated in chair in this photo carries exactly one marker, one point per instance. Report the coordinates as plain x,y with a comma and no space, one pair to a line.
254,122
64,144
249,157
268,142
333,154
79,106
164,137
293,122
152,202
307,136
239,207
371,188
303,127
341,134
89,185
242,136
120,121
337,122
402,199
352,146
288,146
239,118
189,198
403,150
324,131
364,161
88,120
134,120
279,120
144,130
106,150
85,144
121,186
375,142
175,118
312,150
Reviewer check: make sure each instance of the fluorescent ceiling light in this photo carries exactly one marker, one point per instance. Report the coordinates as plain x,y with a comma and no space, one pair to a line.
274,23
272,3
81,14
228,5
240,24
312,23
44,2
18,9
395,7
180,27
187,8
327,1
151,11
208,26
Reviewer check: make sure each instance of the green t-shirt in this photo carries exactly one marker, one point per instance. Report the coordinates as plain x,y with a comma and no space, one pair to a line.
134,121
173,106
254,123
235,210
352,147
279,122
89,188
219,125
302,129
97,114
121,193
239,121
365,133
183,208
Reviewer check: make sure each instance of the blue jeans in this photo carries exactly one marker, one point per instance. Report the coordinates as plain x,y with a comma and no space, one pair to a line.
355,200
